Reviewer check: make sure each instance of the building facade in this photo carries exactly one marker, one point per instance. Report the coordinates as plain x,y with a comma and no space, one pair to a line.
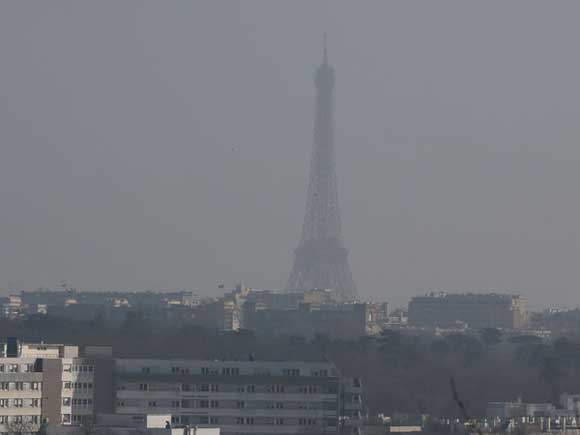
43,383
476,310
240,397
342,320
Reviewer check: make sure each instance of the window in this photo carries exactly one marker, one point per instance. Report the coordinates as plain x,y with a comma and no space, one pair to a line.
203,404
29,368
309,389
13,368
19,386
240,404
213,420
279,421
66,418
276,389
251,389
214,404
185,387
3,419
239,420
174,370
214,387
4,386
203,387
279,405
66,367
249,420
3,403
34,403
143,387
145,370
291,372
35,385
152,404
67,385
205,371
175,404
17,403
17,419
2,368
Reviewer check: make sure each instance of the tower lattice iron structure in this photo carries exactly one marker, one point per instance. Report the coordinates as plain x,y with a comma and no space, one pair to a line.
321,259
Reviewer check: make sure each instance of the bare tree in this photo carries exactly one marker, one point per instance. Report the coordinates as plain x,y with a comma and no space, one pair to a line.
22,428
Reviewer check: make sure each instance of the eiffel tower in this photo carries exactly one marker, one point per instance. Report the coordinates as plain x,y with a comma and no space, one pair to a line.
321,259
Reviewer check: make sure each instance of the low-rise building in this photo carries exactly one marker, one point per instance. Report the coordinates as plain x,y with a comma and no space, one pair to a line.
337,320
149,424
12,307
476,310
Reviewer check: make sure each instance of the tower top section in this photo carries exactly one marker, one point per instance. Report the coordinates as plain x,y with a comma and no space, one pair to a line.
324,79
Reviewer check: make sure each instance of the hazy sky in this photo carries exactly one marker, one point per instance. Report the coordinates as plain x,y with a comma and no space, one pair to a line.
149,144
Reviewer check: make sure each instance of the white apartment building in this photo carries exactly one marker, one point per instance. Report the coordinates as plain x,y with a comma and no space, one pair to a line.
239,397
43,383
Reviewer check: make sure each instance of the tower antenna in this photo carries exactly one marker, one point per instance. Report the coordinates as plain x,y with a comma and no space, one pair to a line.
324,50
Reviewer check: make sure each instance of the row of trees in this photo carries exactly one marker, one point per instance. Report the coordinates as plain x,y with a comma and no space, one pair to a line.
400,373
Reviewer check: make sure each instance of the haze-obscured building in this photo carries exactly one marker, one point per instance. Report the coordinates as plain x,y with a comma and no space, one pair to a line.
341,320
476,310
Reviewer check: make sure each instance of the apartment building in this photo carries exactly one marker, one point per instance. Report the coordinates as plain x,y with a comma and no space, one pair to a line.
240,397
43,383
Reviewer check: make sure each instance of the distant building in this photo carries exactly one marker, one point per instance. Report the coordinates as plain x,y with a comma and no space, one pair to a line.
241,397
570,402
506,410
477,310
341,320
12,307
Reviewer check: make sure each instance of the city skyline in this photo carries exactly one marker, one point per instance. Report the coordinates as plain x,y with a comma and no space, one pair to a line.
169,153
